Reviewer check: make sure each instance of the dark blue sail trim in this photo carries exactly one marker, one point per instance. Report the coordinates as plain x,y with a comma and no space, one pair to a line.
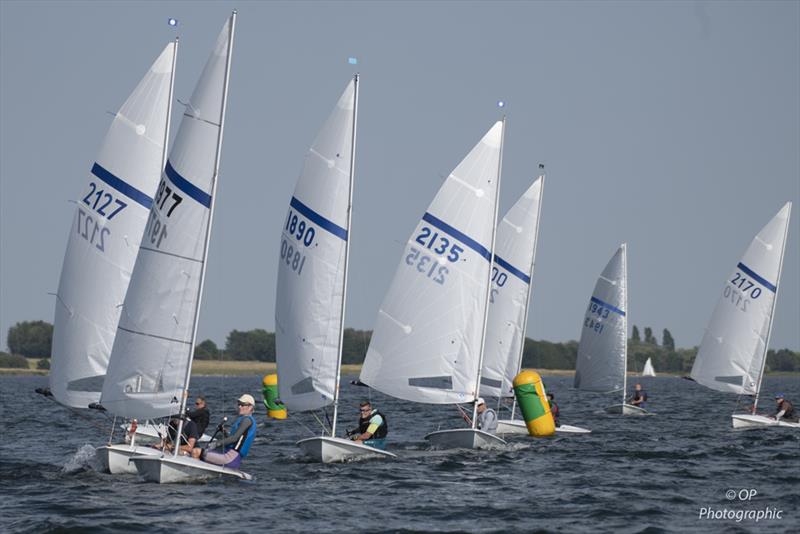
746,270
464,238
187,187
607,305
122,186
318,219
511,269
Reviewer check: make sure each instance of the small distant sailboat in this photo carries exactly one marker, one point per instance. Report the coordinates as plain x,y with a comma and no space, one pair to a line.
427,345
733,353
603,348
648,368
515,256
148,375
312,280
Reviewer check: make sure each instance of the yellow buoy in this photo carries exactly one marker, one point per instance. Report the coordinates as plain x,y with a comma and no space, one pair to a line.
275,409
532,400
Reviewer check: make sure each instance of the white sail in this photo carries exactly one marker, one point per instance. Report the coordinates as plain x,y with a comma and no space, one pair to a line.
511,278
734,346
602,351
426,345
311,266
648,368
104,238
152,351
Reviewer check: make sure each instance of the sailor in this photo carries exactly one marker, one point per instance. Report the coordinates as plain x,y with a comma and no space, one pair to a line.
639,397
237,444
785,409
189,436
200,415
487,418
553,407
372,427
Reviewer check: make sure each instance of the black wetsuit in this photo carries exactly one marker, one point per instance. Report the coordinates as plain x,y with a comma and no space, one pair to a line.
189,431
788,411
554,410
200,416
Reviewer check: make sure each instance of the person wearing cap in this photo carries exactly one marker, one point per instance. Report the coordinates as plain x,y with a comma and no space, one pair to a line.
785,409
372,427
236,446
200,415
487,418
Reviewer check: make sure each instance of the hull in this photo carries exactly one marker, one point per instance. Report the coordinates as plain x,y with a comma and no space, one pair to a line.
182,469
626,409
745,422
152,433
114,458
464,438
331,450
517,427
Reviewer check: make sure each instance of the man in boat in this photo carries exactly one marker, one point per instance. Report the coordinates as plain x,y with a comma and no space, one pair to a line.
236,446
189,436
785,409
372,427
553,407
200,415
639,397
487,418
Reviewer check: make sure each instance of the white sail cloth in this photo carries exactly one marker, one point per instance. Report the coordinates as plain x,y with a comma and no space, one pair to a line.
426,343
151,352
104,238
602,351
511,278
734,346
648,368
308,307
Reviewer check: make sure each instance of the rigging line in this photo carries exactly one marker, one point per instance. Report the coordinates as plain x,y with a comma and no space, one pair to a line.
319,421
299,422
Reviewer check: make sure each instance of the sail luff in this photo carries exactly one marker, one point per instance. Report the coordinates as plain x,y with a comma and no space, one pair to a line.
772,311
625,320
346,255
165,150
489,277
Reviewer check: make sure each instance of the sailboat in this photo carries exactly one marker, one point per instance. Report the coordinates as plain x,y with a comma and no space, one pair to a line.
427,345
603,348
312,280
148,375
104,238
648,368
733,353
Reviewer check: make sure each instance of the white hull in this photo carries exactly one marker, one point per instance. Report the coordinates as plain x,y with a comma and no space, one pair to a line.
517,427
114,458
330,450
464,438
151,433
626,409
744,422
175,469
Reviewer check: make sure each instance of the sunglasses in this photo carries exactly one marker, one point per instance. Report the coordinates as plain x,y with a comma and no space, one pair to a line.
243,404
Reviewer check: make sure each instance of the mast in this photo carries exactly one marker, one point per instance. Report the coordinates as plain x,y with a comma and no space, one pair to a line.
346,254
214,177
489,278
772,312
625,320
530,286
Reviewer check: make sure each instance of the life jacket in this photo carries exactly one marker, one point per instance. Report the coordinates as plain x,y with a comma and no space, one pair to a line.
380,432
243,445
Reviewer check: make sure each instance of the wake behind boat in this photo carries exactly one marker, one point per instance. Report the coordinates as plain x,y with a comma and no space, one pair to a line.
518,427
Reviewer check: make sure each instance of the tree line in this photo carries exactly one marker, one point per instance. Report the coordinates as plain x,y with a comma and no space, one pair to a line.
33,339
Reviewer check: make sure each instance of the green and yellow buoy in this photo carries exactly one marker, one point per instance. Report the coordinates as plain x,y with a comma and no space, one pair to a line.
275,409
532,400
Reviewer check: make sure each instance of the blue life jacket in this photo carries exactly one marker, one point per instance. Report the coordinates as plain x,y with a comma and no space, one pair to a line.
243,445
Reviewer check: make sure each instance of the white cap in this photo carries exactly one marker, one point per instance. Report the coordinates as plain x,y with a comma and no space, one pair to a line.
247,399
480,401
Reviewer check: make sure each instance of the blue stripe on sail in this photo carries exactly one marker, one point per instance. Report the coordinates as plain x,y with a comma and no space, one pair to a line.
513,270
444,227
607,305
318,219
757,278
187,187
122,186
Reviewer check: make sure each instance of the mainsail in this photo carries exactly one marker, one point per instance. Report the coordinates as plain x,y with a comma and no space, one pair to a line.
312,265
602,351
426,345
511,282
104,239
731,356
152,351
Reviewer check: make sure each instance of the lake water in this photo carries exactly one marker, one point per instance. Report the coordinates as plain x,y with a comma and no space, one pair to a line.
632,474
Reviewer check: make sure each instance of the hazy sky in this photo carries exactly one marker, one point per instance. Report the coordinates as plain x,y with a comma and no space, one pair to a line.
673,126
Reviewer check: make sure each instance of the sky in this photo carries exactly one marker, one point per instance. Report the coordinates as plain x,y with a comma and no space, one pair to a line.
672,126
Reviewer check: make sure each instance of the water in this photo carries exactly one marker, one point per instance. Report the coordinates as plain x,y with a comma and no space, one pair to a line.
650,474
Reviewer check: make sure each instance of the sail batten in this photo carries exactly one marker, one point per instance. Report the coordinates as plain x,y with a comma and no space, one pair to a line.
104,240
